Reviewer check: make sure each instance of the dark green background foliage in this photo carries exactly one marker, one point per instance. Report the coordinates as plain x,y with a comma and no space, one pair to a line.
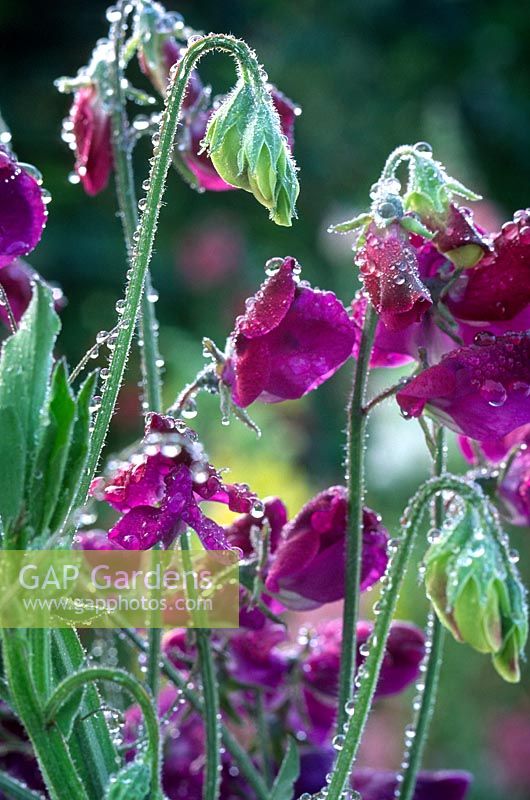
369,76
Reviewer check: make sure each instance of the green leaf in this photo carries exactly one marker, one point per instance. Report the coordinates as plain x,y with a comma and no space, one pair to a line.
51,460
282,788
25,367
77,454
130,783
12,465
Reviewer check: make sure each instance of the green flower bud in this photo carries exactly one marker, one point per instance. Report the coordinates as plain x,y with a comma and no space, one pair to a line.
475,589
249,151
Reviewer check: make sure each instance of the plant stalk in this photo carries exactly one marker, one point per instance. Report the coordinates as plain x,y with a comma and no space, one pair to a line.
353,730
435,657
210,692
357,420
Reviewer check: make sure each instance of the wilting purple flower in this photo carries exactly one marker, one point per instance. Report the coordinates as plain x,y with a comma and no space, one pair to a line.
290,340
159,490
91,128
255,657
389,269
497,289
404,652
239,533
482,390
378,785
308,566
22,209
17,279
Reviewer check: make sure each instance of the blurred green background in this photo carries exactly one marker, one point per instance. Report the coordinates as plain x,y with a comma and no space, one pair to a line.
369,76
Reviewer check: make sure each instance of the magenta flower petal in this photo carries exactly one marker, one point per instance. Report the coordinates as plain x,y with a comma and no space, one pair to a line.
307,569
197,160
287,111
314,766
482,390
497,289
389,269
495,450
289,341
270,304
94,540
514,490
92,132
444,785
256,658
22,210
405,650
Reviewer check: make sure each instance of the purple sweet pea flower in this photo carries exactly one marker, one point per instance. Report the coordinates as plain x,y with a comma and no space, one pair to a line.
456,234
22,209
446,785
17,279
404,652
315,764
94,540
307,569
497,289
481,391
290,340
255,657
389,269
176,646
159,490
91,128
514,490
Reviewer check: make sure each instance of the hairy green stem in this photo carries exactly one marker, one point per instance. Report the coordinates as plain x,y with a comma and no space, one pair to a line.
357,419
16,790
238,753
69,685
353,730
126,194
434,659
57,767
210,692
145,235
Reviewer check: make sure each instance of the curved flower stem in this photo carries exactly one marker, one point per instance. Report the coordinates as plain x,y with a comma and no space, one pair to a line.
210,691
145,235
354,537
238,753
353,730
125,190
79,679
434,659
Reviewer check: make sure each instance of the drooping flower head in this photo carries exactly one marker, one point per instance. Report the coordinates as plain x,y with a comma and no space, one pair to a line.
160,489
290,340
307,569
22,208
389,269
91,128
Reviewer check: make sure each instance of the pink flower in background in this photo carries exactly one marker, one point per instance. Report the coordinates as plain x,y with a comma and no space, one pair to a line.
482,390
389,269
447,785
290,340
210,252
307,569
509,738
22,209
92,132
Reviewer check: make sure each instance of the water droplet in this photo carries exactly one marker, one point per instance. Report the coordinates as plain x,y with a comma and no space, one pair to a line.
493,393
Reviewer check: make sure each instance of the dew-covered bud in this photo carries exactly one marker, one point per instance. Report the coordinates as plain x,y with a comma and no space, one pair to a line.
248,149
476,591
